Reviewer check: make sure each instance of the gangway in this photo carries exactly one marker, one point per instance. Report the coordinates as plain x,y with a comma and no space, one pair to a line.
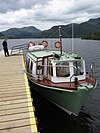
18,49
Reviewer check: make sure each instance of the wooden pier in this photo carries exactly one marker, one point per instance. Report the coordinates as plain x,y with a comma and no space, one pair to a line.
16,109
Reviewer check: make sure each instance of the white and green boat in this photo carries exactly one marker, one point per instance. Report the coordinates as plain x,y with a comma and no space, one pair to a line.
59,76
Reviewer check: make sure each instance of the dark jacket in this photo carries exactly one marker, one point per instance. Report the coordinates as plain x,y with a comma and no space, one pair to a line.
4,44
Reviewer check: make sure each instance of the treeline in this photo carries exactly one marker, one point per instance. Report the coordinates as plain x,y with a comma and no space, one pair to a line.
94,36
1,35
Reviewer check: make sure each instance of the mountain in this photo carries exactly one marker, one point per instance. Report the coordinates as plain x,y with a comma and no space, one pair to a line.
95,30
1,35
93,36
89,27
95,22
25,32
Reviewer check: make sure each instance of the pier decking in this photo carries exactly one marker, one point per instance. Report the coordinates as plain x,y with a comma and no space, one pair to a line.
16,110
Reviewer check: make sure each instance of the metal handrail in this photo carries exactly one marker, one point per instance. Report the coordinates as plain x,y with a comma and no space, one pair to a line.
54,66
71,78
19,48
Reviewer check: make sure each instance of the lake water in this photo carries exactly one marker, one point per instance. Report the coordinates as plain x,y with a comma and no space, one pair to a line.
51,119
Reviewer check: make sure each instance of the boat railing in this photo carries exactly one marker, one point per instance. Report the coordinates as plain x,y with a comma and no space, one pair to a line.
91,72
42,76
17,49
93,69
36,77
71,78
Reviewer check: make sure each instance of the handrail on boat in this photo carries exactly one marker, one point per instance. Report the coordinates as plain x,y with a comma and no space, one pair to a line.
54,66
71,78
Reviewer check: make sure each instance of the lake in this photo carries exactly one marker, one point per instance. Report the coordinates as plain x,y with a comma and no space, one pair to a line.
53,120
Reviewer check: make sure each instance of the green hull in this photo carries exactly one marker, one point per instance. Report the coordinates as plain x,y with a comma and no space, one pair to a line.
70,101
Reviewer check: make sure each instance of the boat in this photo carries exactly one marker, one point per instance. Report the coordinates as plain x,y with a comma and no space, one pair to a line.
59,76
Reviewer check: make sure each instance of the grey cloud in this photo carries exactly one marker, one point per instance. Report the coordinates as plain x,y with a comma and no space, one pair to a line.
84,6
44,13
13,5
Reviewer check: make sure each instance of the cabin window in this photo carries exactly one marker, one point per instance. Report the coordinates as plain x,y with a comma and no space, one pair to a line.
39,67
31,66
27,64
50,69
62,69
78,70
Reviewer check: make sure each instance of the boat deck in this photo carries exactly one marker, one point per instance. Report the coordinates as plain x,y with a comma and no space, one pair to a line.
16,109
67,86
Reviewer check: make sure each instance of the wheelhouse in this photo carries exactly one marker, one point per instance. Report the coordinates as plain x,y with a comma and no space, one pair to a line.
63,69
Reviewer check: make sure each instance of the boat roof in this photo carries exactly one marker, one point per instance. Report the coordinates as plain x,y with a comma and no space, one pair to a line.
49,53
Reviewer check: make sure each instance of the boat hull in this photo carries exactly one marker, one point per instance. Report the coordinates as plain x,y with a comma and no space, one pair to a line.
69,101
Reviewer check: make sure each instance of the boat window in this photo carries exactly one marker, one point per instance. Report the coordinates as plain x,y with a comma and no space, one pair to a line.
62,69
39,67
27,64
31,66
79,68
50,69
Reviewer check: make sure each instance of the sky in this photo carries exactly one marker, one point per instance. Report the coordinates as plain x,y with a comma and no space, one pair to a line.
43,14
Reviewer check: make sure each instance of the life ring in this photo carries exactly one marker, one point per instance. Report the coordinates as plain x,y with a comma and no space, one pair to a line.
44,43
57,44
30,44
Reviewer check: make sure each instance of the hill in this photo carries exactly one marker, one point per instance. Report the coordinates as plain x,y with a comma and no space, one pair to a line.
84,29
1,35
25,32
91,26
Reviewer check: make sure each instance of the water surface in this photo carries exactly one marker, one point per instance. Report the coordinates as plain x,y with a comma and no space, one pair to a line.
51,119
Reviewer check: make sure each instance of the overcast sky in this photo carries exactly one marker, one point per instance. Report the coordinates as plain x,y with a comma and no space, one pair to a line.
43,14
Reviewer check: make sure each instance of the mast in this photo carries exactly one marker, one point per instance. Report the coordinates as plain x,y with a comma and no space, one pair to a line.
60,37
72,37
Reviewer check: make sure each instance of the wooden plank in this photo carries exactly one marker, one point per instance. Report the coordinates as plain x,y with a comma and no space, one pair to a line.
25,129
7,89
14,106
16,84
4,103
16,124
15,111
14,76
8,79
15,117
14,98
14,94
19,69
11,81
12,91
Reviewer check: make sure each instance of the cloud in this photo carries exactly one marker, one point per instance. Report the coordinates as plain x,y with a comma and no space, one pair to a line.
44,14
13,5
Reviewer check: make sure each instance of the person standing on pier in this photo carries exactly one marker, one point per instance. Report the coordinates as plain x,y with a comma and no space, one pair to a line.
5,47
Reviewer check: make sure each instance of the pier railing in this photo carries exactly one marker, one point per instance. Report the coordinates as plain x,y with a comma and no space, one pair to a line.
17,49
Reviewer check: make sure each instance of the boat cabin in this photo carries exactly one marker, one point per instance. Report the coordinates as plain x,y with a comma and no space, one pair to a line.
50,65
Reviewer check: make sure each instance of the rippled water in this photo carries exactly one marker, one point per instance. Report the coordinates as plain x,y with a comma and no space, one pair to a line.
51,119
